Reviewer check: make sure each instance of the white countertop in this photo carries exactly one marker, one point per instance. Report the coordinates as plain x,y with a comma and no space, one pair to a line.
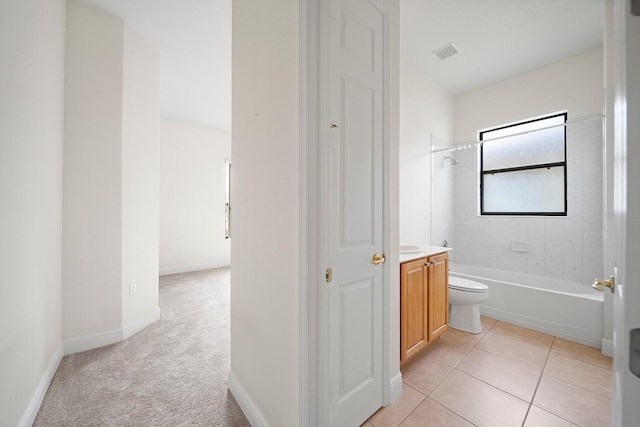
425,251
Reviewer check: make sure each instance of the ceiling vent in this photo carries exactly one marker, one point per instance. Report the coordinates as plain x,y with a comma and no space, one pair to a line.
446,51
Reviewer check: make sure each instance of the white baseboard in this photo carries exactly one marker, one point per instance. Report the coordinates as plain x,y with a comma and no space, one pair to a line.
92,342
30,413
109,338
135,327
395,390
246,403
607,347
189,268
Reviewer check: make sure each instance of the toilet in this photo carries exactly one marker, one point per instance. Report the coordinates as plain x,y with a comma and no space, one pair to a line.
465,297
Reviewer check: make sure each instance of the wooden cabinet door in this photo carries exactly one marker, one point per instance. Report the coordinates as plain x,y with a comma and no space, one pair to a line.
413,308
438,294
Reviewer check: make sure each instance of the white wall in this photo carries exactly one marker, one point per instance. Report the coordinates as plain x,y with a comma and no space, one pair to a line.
192,196
92,253
568,247
425,109
111,179
31,143
265,316
265,208
140,179
574,84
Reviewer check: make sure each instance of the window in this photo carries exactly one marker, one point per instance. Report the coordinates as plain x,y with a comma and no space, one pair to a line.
523,168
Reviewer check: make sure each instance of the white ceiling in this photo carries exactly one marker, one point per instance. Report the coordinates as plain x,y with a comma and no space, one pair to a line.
193,38
497,39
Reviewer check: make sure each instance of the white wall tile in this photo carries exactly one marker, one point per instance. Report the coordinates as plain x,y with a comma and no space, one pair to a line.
592,129
553,253
572,272
536,251
535,266
592,182
536,235
592,238
572,254
536,221
553,269
553,236
592,220
591,272
572,236
555,222
520,234
592,256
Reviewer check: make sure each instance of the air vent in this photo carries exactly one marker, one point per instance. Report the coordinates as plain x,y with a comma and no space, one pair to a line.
446,51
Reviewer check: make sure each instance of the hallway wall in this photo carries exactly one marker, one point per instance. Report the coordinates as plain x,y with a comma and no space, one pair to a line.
192,196
32,48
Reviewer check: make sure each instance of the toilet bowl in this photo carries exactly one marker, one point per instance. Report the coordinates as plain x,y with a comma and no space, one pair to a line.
465,297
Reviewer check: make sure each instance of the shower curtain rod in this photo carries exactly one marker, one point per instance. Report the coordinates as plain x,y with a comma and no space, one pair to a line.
470,144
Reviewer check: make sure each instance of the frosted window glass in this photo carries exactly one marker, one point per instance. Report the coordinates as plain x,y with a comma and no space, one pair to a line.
525,191
534,148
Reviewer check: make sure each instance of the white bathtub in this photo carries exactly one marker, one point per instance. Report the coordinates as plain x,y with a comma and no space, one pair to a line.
557,307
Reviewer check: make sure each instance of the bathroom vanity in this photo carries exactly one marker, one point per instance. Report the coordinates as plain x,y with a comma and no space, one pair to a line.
424,298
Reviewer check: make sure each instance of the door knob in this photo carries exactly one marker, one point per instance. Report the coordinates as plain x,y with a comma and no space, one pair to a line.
600,284
377,259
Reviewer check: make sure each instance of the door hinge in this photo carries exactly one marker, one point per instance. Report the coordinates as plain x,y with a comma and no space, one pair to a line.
328,275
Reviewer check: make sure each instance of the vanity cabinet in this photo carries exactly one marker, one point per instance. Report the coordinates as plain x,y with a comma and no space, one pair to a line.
424,302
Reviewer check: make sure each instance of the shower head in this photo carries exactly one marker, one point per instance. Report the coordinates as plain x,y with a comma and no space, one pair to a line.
453,161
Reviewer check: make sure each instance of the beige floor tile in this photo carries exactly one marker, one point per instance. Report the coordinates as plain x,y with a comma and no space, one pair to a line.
528,335
582,352
367,424
394,414
431,414
478,402
572,403
448,350
462,337
487,323
501,373
424,373
581,374
540,418
519,350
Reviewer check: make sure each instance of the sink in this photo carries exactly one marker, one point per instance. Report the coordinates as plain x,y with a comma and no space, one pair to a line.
410,249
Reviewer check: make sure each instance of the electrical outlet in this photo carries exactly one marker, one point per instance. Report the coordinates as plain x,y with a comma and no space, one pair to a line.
132,289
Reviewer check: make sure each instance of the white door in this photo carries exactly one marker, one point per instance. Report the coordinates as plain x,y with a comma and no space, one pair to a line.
626,385
355,229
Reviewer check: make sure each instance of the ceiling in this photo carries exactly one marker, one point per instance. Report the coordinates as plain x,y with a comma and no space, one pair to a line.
193,38
497,39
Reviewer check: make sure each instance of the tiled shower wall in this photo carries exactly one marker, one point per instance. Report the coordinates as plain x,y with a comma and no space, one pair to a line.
568,247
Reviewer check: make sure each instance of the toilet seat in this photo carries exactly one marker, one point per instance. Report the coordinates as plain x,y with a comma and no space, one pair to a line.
466,285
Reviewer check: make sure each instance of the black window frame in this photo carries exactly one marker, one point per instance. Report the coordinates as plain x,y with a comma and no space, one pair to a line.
520,168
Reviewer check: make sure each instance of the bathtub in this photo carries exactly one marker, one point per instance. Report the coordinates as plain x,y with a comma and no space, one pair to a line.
557,307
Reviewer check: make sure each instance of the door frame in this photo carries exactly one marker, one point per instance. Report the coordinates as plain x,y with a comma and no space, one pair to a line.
313,165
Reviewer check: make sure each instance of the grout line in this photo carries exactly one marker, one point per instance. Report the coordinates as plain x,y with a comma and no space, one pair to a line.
533,397
416,407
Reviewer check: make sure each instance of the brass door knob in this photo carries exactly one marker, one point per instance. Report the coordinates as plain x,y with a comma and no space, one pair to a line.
377,259
599,285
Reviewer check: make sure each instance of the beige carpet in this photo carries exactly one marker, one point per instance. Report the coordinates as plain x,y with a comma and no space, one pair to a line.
173,373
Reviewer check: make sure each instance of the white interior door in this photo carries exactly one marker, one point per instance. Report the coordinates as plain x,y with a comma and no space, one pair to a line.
355,230
626,384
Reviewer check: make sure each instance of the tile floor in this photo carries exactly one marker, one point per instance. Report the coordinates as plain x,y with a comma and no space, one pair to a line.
507,376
